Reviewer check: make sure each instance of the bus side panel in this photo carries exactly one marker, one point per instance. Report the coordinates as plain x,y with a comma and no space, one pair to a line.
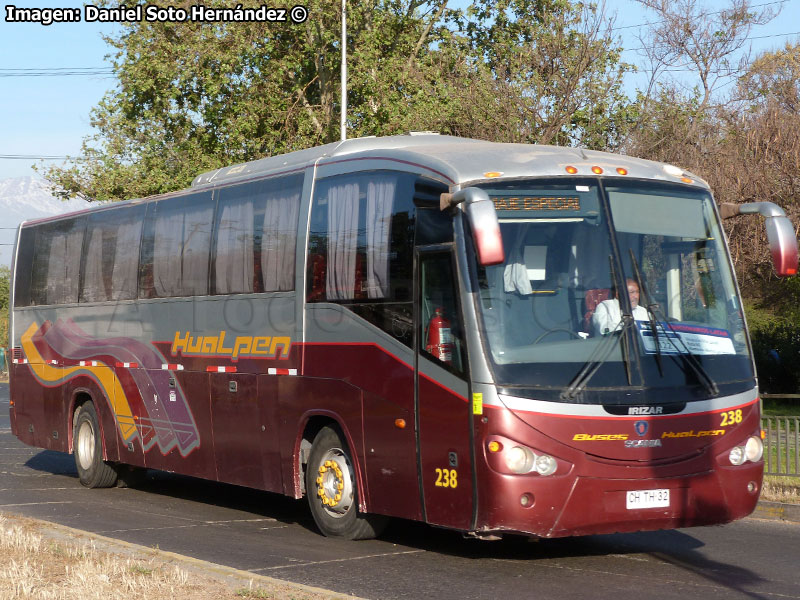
25,395
303,399
237,429
199,460
269,393
391,456
345,347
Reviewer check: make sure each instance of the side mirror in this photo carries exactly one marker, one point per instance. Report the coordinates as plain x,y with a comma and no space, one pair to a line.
482,217
780,233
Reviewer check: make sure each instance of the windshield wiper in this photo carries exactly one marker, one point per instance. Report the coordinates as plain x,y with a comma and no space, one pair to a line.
597,358
653,311
602,352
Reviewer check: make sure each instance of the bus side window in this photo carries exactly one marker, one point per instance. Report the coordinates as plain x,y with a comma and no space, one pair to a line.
255,236
111,257
361,244
56,263
23,268
175,247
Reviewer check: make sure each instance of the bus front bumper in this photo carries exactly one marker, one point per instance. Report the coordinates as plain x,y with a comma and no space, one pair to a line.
584,505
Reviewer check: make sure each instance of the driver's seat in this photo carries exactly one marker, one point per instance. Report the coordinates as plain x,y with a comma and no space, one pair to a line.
591,300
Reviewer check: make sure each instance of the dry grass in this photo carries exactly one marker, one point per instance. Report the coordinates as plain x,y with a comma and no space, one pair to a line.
781,489
37,568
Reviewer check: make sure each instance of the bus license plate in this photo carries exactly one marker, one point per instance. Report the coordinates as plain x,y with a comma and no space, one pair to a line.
647,499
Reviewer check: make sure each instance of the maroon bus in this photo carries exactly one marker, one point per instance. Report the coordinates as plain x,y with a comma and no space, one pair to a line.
486,337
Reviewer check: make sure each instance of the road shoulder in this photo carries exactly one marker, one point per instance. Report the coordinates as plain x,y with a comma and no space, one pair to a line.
777,511
235,579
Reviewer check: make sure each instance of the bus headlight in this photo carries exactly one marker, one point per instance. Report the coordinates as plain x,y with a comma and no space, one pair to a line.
505,455
736,455
754,449
519,459
545,464
751,451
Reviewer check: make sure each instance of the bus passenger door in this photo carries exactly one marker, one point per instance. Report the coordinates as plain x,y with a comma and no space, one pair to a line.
443,417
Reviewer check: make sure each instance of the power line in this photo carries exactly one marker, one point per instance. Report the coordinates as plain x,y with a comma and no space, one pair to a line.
758,37
56,72
709,14
31,157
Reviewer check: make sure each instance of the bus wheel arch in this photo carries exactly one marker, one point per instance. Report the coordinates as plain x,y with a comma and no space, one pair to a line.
333,488
87,447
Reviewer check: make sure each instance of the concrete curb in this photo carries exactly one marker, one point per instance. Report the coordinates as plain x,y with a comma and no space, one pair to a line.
236,578
777,511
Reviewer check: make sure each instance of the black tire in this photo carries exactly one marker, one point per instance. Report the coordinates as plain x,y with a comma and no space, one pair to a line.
332,491
87,446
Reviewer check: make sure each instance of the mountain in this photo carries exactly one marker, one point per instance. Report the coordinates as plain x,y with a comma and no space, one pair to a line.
25,198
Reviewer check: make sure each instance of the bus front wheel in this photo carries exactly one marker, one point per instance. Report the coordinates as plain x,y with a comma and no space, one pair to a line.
93,471
333,493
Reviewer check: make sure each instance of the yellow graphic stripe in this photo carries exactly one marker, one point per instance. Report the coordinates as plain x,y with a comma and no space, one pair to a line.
104,375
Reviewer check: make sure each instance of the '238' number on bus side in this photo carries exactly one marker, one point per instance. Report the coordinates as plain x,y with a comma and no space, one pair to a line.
732,417
446,478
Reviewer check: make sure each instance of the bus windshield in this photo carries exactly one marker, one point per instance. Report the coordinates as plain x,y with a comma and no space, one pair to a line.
583,259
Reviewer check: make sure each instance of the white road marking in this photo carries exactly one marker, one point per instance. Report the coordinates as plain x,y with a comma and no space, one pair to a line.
336,560
37,503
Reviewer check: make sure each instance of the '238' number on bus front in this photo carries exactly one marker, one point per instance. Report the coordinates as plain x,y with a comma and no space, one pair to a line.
732,417
446,478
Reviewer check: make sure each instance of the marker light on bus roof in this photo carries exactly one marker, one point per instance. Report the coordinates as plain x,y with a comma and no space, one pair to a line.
597,170
622,171
493,174
571,170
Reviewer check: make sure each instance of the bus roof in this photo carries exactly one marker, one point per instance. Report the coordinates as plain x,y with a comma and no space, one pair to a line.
459,160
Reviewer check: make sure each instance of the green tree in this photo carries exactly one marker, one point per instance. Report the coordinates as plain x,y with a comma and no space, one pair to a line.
5,295
5,288
556,74
192,97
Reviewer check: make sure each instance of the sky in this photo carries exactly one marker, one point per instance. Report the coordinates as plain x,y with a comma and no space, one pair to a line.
49,115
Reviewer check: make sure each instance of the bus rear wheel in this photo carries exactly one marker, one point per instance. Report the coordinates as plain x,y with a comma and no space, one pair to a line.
93,471
333,493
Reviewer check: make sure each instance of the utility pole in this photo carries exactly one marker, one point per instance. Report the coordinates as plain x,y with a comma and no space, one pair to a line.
343,122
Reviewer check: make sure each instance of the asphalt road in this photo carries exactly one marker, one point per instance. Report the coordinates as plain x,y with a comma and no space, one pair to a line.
275,536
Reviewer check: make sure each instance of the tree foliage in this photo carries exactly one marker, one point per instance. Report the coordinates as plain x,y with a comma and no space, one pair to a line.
746,144
192,97
5,296
5,288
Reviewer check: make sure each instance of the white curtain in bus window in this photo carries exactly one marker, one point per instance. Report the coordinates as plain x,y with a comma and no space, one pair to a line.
342,241
234,263
57,259
63,267
180,248
112,260
279,240
346,279
380,199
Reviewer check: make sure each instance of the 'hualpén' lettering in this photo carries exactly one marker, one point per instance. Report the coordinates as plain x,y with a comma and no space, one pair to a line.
221,345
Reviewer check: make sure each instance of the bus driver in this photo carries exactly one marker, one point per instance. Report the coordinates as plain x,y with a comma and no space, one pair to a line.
607,316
